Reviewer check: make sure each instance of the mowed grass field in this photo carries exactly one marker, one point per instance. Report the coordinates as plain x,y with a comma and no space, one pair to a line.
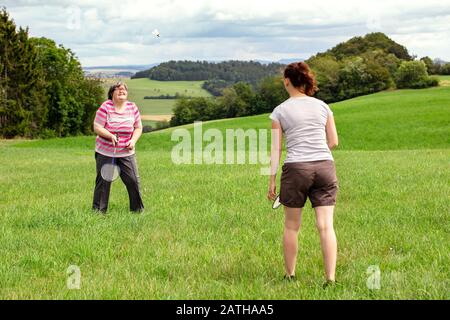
208,231
139,88
444,81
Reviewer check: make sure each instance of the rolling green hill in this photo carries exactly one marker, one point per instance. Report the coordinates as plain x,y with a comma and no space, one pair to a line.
208,231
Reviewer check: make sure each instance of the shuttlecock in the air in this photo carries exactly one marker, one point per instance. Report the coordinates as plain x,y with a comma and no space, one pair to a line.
156,33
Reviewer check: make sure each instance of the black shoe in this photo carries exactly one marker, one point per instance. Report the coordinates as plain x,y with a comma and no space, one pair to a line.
289,278
329,284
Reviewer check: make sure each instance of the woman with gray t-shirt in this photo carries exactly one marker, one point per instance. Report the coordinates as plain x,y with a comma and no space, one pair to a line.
308,171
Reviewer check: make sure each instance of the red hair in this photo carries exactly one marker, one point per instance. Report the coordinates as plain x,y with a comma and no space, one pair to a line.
301,76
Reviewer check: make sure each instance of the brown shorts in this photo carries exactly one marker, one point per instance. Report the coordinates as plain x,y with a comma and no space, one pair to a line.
316,180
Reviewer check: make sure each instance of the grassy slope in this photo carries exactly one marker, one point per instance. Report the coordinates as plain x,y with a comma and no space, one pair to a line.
208,231
404,119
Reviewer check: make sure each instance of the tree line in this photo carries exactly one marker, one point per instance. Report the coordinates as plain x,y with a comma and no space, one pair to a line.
43,91
238,100
436,66
365,65
360,66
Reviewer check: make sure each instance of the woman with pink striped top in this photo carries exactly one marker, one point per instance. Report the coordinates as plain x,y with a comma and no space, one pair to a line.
118,127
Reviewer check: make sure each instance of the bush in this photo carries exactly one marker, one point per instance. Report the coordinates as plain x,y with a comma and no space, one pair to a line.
412,74
433,82
360,76
353,76
47,134
162,125
146,129
326,69
216,87
195,109
270,93
432,67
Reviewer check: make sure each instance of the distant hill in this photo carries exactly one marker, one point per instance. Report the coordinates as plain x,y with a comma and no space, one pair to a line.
440,62
357,46
122,68
281,61
291,60
115,71
364,65
232,70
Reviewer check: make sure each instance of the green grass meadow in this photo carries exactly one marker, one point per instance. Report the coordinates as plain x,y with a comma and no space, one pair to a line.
208,231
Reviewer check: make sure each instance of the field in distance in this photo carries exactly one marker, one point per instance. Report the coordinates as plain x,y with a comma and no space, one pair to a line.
158,109
444,80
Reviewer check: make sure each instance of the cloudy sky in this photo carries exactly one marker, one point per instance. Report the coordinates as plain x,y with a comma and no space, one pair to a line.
120,32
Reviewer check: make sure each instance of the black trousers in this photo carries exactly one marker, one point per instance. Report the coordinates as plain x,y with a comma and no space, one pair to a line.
130,177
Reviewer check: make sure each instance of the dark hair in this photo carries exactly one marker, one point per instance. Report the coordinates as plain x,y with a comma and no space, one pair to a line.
114,87
301,76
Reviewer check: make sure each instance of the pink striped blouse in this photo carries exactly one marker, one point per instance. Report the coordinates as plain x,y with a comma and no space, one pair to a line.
122,124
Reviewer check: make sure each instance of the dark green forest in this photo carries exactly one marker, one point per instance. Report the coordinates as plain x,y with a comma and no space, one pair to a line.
43,91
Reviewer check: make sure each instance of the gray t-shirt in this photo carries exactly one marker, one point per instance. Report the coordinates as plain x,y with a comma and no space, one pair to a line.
303,120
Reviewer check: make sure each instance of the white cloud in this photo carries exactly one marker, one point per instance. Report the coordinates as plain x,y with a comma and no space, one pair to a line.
117,32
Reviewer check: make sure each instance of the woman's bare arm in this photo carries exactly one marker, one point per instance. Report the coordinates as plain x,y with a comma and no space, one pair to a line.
275,156
332,136
277,140
136,134
102,132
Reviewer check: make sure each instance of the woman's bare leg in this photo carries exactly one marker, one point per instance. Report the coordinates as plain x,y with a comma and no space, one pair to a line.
324,223
292,224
